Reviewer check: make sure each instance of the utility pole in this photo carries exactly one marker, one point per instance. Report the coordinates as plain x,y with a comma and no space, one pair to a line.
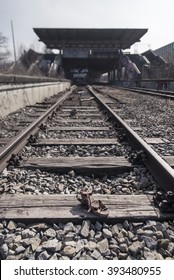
14,49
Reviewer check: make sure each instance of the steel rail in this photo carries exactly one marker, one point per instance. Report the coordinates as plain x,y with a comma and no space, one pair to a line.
149,92
161,91
15,145
159,168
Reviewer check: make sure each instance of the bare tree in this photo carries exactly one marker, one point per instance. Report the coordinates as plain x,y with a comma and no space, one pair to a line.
21,50
4,52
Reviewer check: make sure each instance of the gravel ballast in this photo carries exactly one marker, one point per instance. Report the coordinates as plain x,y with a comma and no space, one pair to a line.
89,241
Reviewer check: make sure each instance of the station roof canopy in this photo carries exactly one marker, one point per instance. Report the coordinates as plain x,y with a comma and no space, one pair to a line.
61,38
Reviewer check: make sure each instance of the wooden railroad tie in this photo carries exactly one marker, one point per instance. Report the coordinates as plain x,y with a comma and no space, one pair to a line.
81,165
87,141
79,128
66,208
169,160
64,120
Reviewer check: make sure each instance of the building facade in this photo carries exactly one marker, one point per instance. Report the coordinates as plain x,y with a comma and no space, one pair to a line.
166,52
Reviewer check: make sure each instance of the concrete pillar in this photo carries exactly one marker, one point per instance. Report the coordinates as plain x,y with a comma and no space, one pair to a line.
119,69
119,73
114,75
109,76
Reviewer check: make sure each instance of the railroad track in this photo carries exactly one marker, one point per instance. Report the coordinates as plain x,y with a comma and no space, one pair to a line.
150,116
14,146
153,92
83,137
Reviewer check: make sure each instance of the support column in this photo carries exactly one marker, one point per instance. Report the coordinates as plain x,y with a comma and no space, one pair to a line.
114,76
119,69
109,76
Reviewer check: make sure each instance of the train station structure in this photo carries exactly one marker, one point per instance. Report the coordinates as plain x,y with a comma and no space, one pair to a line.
92,52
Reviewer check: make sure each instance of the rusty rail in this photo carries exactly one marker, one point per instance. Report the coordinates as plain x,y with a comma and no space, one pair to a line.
159,168
148,91
14,146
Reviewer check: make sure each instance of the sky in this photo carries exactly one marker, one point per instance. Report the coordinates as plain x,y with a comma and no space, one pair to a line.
155,15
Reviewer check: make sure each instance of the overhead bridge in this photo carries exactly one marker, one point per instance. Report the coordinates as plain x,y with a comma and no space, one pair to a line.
97,50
